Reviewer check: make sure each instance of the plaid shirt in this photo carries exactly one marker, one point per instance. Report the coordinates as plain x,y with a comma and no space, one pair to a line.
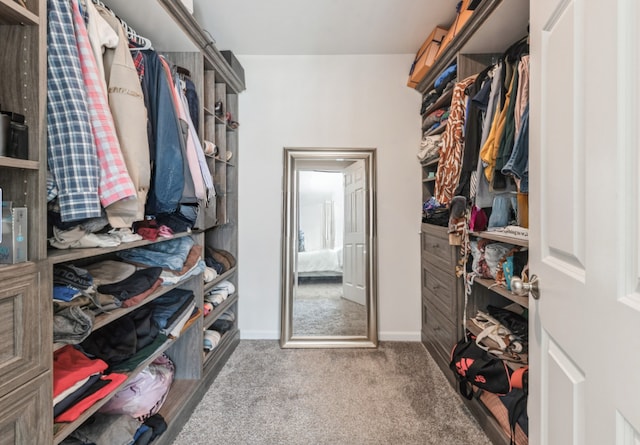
115,182
71,151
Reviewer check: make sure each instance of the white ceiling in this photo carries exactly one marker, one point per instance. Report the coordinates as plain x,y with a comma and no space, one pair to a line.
313,27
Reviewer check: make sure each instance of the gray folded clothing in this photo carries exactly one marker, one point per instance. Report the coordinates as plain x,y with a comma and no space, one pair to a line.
72,325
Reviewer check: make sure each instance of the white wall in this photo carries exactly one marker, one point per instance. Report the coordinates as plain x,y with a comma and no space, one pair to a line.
316,189
329,101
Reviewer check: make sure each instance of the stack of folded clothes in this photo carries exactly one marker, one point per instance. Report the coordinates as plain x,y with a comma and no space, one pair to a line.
179,259
79,382
172,311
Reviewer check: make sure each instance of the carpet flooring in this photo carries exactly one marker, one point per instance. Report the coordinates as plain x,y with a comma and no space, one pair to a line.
394,394
320,310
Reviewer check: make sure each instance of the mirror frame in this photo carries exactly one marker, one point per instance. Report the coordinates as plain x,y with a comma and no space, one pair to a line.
292,157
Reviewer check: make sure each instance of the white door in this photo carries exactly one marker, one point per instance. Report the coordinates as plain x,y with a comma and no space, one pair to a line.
584,215
354,280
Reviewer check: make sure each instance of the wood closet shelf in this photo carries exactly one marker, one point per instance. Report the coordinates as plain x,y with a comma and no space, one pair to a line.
443,100
501,237
57,256
223,276
19,163
437,130
502,290
475,330
210,358
12,13
219,310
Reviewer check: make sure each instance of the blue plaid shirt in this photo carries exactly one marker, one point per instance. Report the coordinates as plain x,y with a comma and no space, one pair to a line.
71,150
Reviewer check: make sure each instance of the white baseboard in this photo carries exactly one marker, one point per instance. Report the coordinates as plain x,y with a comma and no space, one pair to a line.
382,336
259,335
399,336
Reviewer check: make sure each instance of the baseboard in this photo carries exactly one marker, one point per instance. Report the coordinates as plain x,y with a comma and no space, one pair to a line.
259,335
399,336
382,336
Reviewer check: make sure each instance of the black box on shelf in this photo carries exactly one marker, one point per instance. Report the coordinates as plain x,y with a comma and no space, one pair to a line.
235,63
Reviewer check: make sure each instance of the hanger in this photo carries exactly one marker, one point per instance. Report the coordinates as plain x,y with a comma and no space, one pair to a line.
139,42
183,71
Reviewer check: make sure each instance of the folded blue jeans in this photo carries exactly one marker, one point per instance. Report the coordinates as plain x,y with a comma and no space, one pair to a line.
501,210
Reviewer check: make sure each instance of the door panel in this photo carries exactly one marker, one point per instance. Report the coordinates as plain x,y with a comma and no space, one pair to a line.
355,252
565,403
584,222
562,167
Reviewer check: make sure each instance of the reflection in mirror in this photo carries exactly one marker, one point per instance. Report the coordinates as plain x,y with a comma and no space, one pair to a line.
328,249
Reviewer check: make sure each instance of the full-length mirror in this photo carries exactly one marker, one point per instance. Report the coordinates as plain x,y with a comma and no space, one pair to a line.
328,248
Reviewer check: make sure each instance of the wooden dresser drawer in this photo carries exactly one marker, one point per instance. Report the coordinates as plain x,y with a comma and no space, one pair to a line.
26,414
436,249
440,288
441,333
25,326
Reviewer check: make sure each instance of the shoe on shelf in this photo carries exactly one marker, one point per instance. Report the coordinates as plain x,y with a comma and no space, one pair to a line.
219,109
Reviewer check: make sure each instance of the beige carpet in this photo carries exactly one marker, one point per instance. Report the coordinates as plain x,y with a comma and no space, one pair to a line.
320,310
393,395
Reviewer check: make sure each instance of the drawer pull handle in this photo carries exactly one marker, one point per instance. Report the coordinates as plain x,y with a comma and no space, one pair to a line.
435,245
436,286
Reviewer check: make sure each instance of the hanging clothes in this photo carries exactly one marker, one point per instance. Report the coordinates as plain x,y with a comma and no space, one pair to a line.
165,152
192,160
478,99
115,183
522,97
195,145
71,152
449,165
130,118
101,37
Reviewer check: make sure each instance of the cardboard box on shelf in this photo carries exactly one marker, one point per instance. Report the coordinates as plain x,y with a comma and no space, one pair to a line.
425,56
461,18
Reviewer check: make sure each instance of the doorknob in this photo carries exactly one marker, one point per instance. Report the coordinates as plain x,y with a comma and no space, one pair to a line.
521,288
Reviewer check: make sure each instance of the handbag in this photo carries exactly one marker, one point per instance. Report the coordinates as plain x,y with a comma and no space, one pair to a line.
473,366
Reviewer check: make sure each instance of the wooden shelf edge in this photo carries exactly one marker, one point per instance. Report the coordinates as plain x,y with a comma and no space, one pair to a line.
444,99
502,291
475,330
212,357
56,256
438,130
18,268
203,40
219,310
501,237
223,276
430,162
11,13
18,163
